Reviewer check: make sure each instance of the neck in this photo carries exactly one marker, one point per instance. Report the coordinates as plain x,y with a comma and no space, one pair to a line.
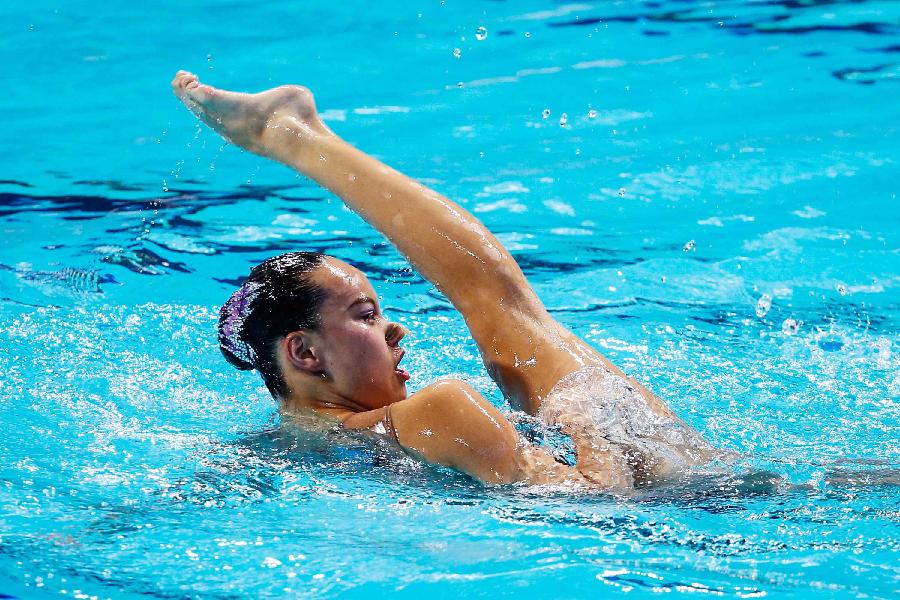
326,403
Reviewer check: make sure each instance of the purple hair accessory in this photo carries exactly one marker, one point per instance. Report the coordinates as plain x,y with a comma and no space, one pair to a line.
231,324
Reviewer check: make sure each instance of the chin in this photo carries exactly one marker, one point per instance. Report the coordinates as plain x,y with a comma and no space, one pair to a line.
399,395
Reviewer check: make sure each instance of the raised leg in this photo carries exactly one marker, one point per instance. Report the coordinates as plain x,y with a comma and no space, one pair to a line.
525,350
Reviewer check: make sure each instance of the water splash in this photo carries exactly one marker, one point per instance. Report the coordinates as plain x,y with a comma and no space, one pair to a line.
763,305
790,326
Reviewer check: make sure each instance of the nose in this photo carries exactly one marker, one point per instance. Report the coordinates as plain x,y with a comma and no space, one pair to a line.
394,333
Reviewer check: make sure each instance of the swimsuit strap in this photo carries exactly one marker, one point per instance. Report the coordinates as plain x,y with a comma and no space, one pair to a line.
389,424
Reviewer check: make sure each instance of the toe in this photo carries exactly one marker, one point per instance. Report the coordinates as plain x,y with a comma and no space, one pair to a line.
187,87
182,79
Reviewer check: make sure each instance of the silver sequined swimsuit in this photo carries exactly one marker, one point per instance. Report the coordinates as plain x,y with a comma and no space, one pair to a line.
601,405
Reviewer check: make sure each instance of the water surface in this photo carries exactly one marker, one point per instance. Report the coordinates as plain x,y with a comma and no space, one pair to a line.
705,191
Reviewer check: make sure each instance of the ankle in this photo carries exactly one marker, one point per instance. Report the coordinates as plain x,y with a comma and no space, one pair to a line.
294,142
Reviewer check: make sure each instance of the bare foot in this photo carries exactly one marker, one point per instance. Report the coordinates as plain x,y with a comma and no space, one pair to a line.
268,123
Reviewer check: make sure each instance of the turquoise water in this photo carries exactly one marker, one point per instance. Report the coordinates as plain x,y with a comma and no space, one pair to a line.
717,213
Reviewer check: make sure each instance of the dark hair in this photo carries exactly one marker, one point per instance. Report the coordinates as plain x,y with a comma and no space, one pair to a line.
279,297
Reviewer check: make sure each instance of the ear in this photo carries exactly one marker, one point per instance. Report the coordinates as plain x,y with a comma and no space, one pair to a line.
302,353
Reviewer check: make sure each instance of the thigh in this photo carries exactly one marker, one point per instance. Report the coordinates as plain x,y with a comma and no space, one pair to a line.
525,350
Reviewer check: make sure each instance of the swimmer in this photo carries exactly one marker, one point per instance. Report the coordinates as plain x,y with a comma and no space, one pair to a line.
312,325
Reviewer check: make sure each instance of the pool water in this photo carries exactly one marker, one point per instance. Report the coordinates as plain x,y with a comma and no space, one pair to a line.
706,192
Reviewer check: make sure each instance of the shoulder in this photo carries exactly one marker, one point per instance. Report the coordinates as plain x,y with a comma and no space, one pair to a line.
449,406
451,424
447,397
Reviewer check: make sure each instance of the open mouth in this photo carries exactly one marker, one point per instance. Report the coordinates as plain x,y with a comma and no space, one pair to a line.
403,374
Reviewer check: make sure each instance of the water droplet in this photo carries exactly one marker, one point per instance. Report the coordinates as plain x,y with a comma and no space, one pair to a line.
528,34
457,53
546,113
790,326
481,33
763,305
592,114
689,246
622,192
842,289
563,119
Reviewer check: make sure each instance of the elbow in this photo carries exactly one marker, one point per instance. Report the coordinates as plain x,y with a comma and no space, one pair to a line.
502,462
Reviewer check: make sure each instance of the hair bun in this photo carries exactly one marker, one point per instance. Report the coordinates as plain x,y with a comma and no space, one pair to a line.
231,326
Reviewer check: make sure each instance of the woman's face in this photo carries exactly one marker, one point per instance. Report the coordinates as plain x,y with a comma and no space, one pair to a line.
359,349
